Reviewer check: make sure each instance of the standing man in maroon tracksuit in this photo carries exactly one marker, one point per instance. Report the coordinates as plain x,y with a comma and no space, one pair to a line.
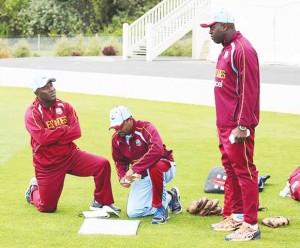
53,126
237,89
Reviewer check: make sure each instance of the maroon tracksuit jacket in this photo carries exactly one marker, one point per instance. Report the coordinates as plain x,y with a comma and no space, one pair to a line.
145,149
237,84
52,131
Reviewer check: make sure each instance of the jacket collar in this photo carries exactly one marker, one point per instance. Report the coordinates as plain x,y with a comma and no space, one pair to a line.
232,38
38,102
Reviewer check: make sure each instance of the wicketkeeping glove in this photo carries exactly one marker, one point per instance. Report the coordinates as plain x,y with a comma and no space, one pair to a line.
205,207
278,221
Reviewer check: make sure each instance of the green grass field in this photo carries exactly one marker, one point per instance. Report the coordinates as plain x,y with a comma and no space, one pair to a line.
187,129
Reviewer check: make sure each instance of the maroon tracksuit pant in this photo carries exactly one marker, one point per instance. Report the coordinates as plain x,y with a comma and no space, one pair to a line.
157,178
83,164
241,187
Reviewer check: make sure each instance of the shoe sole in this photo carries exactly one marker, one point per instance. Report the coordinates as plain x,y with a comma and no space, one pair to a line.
177,192
103,208
160,223
178,197
224,230
31,184
95,209
255,237
26,194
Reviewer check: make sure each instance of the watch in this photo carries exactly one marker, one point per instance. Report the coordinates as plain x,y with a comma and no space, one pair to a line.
242,128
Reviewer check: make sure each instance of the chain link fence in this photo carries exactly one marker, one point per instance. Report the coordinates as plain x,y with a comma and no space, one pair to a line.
45,46
40,46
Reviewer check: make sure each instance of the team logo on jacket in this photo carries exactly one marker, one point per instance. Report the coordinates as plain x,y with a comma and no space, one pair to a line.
138,142
58,111
220,73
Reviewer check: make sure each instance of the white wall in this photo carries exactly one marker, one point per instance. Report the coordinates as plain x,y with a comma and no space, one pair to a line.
271,27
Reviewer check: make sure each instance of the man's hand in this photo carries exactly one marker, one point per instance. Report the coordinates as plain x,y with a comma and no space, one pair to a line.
129,175
127,179
238,136
124,182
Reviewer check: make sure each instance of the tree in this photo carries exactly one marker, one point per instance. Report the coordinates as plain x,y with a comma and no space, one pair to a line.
48,17
68,17
122,11
9,10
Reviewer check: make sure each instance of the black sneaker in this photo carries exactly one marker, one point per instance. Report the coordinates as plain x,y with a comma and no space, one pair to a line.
32,183
175,205
96,206
161,215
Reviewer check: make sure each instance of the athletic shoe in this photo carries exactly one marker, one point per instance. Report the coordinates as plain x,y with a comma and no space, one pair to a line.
175,205
32,184
161,215
227,224
244,233
96,206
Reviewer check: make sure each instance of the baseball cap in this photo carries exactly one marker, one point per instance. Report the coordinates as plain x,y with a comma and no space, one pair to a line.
118,115
40,82
222,15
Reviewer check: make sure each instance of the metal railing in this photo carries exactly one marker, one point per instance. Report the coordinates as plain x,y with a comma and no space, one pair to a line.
159,24
168,31
135,33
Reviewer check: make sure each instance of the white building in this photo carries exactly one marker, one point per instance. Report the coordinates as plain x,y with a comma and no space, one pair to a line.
270,25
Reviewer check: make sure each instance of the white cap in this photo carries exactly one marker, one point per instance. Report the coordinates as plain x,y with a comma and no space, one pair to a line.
40,82
222,15
118,115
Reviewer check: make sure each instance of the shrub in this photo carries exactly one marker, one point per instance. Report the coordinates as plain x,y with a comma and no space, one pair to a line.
4,54
3,44
36,55
21,49
4,50
109,51
63,47
75,53
180,48
110,45
66,47
93,47
78,46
